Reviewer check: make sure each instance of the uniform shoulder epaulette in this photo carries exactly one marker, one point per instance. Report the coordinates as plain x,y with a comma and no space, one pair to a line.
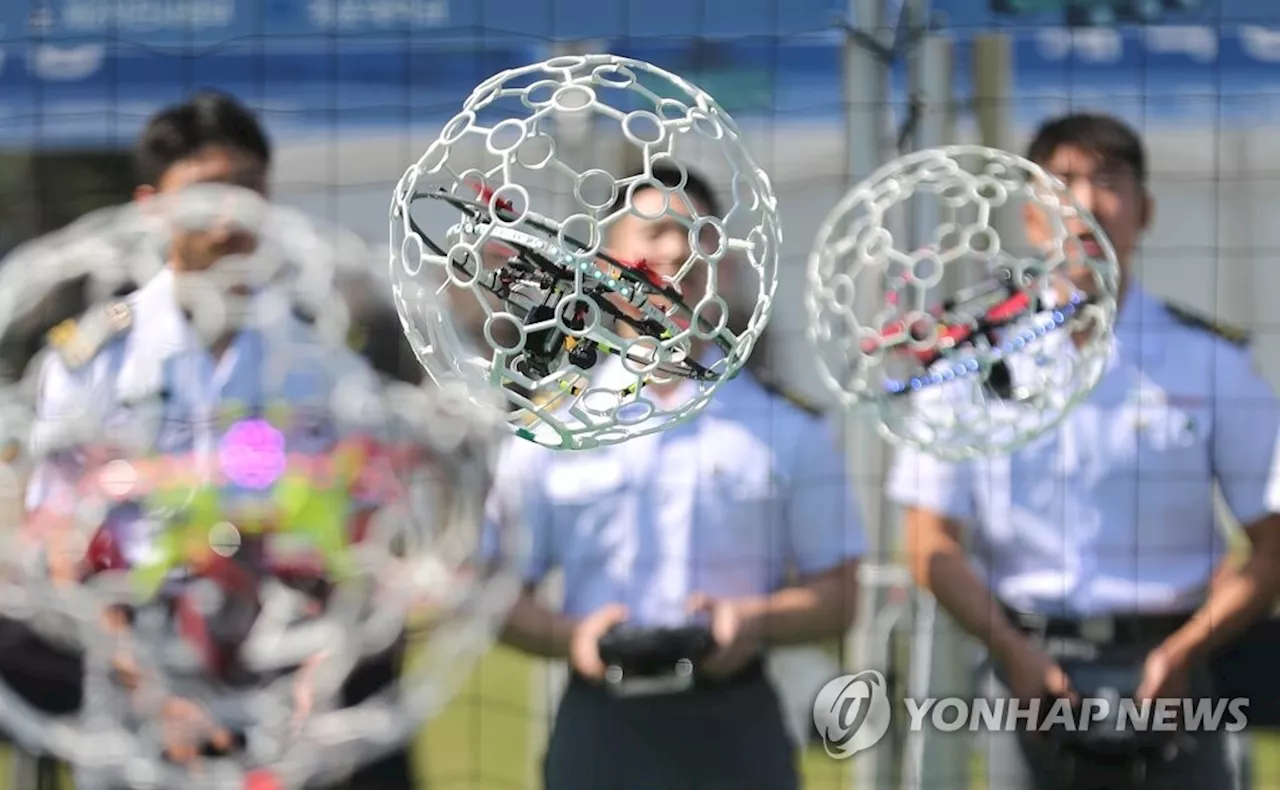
795,399
1185,315
77,342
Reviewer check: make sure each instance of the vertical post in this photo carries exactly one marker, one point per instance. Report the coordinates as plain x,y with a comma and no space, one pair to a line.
992,97
575,147
938,664
992,71
866,81
931,70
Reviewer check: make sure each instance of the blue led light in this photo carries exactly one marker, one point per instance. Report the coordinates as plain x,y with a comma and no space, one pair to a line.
1014,344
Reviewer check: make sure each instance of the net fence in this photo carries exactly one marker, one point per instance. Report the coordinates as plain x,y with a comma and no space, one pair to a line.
354,90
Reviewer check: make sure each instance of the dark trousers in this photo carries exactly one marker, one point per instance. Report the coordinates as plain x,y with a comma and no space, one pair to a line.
52,680
1022,761
395,770
726,737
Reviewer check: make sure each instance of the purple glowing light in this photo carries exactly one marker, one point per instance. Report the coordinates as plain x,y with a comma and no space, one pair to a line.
252,454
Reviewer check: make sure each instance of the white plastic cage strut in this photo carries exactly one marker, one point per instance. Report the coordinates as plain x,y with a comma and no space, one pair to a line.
986,368
569,332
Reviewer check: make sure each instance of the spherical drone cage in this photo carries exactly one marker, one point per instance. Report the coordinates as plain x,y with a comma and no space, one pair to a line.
961,369
555,301
247,522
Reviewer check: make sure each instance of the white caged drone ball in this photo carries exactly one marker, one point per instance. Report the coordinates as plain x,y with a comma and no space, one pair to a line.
277,530
569,332
982,339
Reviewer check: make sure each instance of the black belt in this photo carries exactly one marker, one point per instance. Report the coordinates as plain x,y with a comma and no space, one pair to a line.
754,672
1118,629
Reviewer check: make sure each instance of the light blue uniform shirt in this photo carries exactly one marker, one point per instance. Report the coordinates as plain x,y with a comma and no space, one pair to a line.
724,504
157,384
1113,512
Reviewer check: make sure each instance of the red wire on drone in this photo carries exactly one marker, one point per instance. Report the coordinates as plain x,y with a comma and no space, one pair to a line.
1001,313
1009,309
486,194
642,266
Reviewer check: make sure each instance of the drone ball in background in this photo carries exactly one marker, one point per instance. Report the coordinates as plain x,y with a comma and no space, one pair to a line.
988,334
269,537
512,286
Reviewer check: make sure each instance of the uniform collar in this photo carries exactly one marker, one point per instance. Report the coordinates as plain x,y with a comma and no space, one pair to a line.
157,313
164,325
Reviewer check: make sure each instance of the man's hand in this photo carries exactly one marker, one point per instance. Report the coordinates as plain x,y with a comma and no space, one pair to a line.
1165,675
1033,675
186,727
584,645
115,621
304,687
737,635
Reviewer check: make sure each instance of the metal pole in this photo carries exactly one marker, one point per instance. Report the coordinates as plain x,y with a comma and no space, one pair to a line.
866,82
992,97
992,69
576,147
866,96
938,665
931,72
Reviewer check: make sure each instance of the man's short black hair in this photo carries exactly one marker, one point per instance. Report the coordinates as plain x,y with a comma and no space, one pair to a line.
179,132
1105,136
670,176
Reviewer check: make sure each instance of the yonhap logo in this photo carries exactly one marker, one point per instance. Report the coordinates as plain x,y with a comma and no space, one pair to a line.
852,713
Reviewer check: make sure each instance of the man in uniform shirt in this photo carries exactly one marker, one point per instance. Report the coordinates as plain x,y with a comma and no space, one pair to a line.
1096,544
700,521
151,350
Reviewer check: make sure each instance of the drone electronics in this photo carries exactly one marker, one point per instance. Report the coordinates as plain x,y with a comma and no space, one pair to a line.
574,333
964,346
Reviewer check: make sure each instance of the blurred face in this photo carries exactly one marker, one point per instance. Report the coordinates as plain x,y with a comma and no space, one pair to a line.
1111,192
662,243
194,251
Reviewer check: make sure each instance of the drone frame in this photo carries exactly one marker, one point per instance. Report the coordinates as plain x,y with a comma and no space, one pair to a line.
1000,304
533,260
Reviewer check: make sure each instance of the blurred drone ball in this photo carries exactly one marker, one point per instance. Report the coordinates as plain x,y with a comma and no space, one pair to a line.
970,344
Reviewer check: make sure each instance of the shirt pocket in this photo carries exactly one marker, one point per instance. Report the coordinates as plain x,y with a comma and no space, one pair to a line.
737,520
1170,441
1039,471
587,504
1166,455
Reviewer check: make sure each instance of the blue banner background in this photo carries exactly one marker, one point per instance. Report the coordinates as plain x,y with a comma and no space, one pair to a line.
71,74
